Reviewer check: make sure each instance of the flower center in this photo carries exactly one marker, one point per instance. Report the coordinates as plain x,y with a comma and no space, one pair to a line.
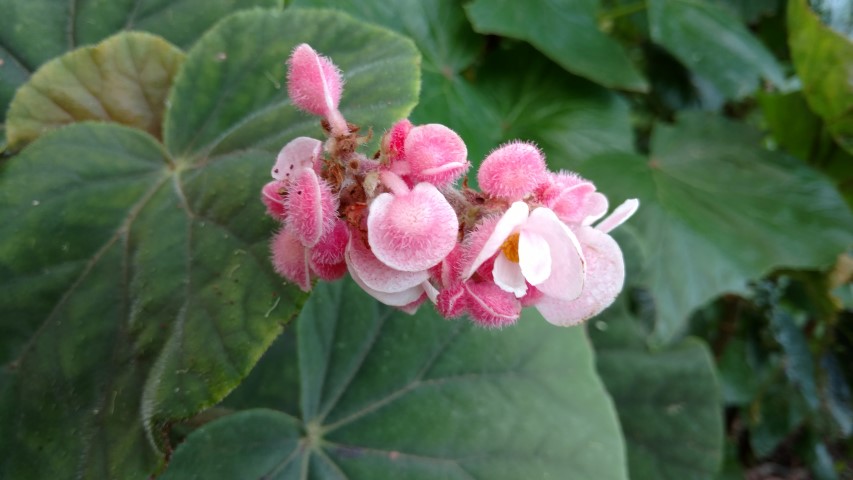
510,247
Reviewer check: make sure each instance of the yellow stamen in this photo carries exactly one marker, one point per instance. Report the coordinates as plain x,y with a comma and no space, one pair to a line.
510,248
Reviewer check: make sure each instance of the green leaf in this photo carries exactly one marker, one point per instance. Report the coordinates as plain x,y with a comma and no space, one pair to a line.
566,31
135,285
216,108
713,43
124,79
35,31
387,395
718,211
137,273
751,11
822,58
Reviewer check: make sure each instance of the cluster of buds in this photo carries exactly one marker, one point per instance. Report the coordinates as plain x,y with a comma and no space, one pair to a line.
398,223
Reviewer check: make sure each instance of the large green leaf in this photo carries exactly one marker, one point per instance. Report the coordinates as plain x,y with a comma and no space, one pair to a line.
136,281
823,59
712,42
566,31
35,31
124,79
668,401
387,395
717,211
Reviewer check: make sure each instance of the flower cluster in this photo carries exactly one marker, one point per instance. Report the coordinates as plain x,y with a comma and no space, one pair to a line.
397,222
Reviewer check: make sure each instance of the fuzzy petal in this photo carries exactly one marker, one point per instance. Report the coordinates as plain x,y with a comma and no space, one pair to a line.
514,217
314,83
290,259
452,301
378,276
619,216
605,277
273,195
508,276
396,299
534,257
413,231
512,171
299,154
567,262
489,306
332,245
436,154
311,207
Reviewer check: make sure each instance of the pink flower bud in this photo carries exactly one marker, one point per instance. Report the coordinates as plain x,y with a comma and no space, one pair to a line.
299,154
411,231
329,271
572,198
452,302
273,195
311,207
314,83
489,306
393,142
512,171
436,154
290,259
327,257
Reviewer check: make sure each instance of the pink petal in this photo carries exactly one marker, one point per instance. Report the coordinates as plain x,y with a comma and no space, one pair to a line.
329,271
412,308
311,207
396,299
436,154
332,245
534,257
619,216
414,231
605,276
508,276
512,171
290,259
299,154
452,301
393,143
567,262
273,195
490,306
378,276
483,249
314,83
594,207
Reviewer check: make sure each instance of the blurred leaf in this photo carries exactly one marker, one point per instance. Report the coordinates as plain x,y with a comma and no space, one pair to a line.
799,364
668,402
124,79
135,285
836,15
823,58
836,391
713,43
35,31
216,108
751,11
717,211
459,402
822,463
566,31
775,415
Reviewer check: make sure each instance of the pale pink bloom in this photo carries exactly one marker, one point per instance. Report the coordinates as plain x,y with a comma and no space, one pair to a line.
299,154
605,274
311,206
532,247
512,171
315,85
435,154
411,230
572,198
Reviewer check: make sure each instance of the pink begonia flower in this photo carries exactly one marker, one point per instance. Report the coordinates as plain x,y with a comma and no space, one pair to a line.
312,207
435,154
512,171
411,230
532,247
572,198
605,274
315,85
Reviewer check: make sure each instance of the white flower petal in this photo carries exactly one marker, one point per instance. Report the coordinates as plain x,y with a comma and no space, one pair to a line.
619,216
508,276
534,257
515,216
567,262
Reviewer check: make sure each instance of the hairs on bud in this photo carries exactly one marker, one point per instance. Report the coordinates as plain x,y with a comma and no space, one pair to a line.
512,171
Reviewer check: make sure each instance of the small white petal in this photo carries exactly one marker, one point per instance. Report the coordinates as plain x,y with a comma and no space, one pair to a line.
619,216
515,216
508,276
568,266
534,257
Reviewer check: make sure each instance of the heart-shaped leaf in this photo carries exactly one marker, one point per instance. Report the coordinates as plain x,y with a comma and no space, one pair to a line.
387,395
668,401
35,31
823,58
712,42
124,79
718,211
565,30
137,281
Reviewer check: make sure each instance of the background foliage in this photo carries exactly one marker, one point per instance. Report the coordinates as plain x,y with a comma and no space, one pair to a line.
140,321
